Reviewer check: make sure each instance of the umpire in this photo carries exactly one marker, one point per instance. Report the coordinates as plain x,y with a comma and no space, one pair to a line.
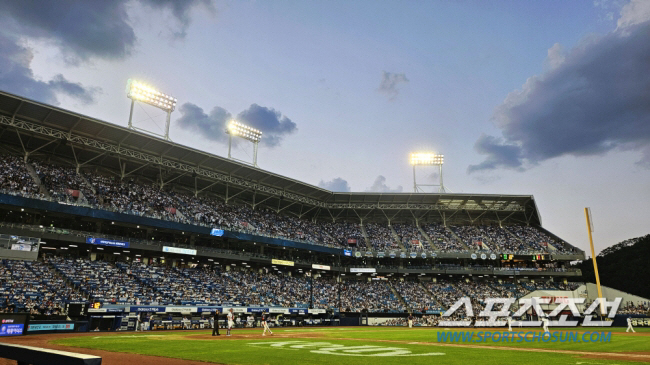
215,326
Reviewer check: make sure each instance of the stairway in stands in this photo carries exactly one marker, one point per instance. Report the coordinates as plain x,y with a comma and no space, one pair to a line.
396,238
396,294
365,236
426,237
37,180
438,304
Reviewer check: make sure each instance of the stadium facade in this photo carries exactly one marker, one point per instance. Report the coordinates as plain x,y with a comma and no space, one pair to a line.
363,235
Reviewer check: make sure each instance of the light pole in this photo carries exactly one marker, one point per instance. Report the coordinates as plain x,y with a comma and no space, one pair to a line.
427,159
236,129
141,92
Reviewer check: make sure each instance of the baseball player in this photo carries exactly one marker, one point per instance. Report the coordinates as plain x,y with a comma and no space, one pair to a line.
545,324
215,323
629,325
137,322
509,320
231,321
410,320
265,324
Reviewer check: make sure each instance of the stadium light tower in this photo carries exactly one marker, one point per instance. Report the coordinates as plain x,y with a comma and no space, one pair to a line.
427,159
236,129
141,92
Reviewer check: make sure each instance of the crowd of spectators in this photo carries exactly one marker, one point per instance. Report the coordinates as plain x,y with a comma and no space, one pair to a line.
381,237
412,238
442,238
15,178
537,240
64,184
151,200
504,241
631,308
31,287
371,296
415,295
43,287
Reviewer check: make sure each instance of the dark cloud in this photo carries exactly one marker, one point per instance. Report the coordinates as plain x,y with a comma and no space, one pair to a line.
498,154
594,99
84,94
16,77
80,28
181,11
85,29
379,186
212,126
336,185
272,123
389,83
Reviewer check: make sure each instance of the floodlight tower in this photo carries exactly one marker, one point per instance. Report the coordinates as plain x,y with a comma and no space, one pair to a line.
139,91
427,159
236,129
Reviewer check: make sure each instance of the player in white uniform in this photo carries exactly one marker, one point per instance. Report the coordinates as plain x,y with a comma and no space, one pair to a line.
231,321
137,322
629,325
265,324
545,324
509,320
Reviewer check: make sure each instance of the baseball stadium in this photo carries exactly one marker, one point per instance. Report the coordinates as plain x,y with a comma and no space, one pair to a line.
120,247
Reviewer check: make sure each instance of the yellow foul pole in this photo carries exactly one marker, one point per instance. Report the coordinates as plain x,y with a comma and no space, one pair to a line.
590,229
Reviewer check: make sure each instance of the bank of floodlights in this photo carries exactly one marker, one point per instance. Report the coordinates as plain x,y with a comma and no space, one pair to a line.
427,159
237,129
144,93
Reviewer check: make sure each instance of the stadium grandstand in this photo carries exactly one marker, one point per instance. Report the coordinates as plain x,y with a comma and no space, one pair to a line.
98,214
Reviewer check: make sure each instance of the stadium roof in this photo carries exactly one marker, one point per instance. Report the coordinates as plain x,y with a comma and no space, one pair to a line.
38,129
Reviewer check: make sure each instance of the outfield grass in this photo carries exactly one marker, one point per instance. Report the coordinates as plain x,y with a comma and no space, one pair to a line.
354,345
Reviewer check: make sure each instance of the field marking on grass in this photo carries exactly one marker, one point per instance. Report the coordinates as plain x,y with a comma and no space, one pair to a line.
321,330
328,348
132,336
646,357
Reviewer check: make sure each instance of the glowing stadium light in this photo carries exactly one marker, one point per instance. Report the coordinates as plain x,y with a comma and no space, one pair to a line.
141,92
240,130
427,159
237,129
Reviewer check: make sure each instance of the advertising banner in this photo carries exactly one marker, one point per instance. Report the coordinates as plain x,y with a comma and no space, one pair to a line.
182,251
282,262
363,269
216,232
146,309
51,327
181,309
105,242
321,267
11,329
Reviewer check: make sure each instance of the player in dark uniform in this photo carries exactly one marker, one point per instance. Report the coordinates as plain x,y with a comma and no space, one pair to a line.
215,326
410,320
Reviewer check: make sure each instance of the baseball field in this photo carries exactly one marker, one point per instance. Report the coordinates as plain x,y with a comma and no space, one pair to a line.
353,345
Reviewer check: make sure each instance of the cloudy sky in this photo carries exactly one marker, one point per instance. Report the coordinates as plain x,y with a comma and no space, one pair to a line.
549,98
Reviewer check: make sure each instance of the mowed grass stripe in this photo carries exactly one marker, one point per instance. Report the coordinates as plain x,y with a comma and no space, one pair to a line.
183,345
